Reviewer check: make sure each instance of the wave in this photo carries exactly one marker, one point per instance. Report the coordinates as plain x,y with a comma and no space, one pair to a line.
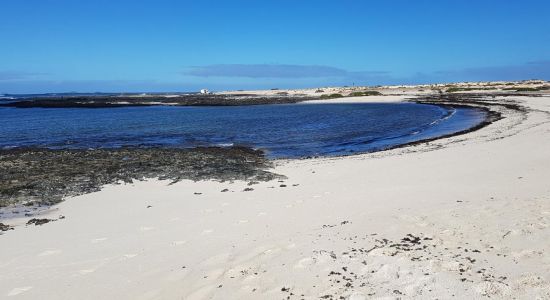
449,115
224,145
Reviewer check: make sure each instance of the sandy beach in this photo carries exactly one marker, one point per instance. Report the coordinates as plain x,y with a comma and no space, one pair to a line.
465,217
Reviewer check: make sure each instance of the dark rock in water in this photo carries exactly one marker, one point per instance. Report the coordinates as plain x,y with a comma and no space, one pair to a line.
39,222
45,177
5,227
248,189
110,101
197,193
225,190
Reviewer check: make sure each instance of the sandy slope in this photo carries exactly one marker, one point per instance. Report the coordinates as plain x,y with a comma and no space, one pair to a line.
466,217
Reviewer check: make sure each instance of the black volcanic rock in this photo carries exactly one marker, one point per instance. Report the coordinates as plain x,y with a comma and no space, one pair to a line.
47,176
107,101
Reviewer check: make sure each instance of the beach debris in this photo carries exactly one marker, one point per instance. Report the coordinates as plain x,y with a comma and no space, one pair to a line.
5,227
414,247
39,222
334,225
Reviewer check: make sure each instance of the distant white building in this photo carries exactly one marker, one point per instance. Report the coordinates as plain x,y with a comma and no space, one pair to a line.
205,91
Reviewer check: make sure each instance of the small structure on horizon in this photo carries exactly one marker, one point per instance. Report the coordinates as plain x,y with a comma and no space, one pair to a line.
205,91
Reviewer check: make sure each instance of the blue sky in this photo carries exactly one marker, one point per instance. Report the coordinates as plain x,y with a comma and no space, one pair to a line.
128,45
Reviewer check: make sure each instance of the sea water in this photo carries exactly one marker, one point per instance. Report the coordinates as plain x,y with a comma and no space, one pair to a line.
282,131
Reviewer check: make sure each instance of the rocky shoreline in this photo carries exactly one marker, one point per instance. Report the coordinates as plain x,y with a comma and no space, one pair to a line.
42,177
108,101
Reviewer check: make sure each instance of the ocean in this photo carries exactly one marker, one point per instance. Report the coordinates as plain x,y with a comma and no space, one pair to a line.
282,131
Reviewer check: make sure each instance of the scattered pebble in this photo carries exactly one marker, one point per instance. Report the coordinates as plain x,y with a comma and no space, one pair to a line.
39,222
5,227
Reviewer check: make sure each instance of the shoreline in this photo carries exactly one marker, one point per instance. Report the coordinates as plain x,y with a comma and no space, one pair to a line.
492,116
465,216
55,162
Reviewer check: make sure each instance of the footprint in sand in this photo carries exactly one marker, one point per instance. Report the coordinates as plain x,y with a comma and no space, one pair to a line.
271,251
357,296
219,259
305,262
215,274
86,271
19,290
492,289
201,293
49,252
247,288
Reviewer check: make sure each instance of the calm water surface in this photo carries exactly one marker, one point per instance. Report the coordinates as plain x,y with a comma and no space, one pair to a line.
294,130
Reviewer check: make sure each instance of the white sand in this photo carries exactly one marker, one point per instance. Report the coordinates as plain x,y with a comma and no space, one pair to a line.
486,191
370,99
